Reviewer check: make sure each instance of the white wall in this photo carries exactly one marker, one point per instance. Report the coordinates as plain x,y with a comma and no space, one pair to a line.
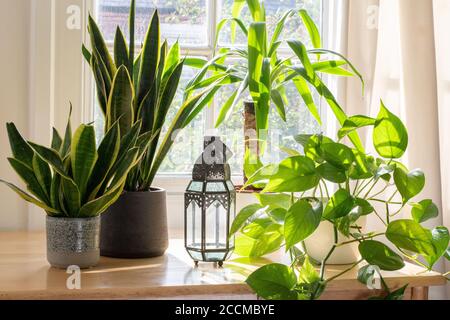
14,99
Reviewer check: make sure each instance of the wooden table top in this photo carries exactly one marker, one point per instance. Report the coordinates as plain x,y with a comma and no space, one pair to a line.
25,274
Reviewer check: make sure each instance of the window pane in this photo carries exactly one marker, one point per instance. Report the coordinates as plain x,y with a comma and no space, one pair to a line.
275,9
180,19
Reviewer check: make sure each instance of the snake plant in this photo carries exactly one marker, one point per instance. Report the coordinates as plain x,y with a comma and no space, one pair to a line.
260,70
141,88
72,178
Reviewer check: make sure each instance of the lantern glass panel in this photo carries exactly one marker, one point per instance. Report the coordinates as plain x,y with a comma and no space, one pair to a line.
216,226
194,226
196,186
230,185
215,187
232,216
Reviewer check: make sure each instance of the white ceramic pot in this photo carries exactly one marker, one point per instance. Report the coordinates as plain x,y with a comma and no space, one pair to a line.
319,244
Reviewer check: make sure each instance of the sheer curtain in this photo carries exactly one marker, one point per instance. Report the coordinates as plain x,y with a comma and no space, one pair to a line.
402,49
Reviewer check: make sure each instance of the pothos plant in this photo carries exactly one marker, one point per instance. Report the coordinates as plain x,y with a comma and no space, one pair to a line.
329,181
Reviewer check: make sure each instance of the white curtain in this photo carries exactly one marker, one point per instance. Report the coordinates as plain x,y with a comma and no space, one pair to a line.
402,49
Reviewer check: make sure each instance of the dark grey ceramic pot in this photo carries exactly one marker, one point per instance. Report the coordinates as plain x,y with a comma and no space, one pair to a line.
73,241
135,226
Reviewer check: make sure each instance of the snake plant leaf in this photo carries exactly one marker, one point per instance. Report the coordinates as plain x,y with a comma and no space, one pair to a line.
172,61
27,175
43,174
65,147
99,205
178,122
132,26
108,151
103,72
98,44
136,68
83,157
21,150
124,167
313,31
55,190
56,140
149,59
27,197
127,142
390,136
86,53
305,93
295,174
121,56
72,196
120,102
51,157
167,96
102,95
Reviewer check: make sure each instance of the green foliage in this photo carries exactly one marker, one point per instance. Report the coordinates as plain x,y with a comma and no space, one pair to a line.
299,186
259,68
73,178
302,219
142,89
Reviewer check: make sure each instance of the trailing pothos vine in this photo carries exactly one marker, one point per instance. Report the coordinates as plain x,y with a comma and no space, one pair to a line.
330,181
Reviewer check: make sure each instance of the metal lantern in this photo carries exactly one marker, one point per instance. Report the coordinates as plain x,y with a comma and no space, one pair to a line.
210,205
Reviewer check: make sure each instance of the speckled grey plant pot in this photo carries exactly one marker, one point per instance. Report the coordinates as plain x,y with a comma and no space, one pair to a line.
73,241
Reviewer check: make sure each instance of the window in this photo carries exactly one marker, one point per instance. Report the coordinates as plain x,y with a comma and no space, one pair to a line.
193,22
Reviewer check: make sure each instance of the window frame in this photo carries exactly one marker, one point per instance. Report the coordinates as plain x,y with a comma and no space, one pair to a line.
176,182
